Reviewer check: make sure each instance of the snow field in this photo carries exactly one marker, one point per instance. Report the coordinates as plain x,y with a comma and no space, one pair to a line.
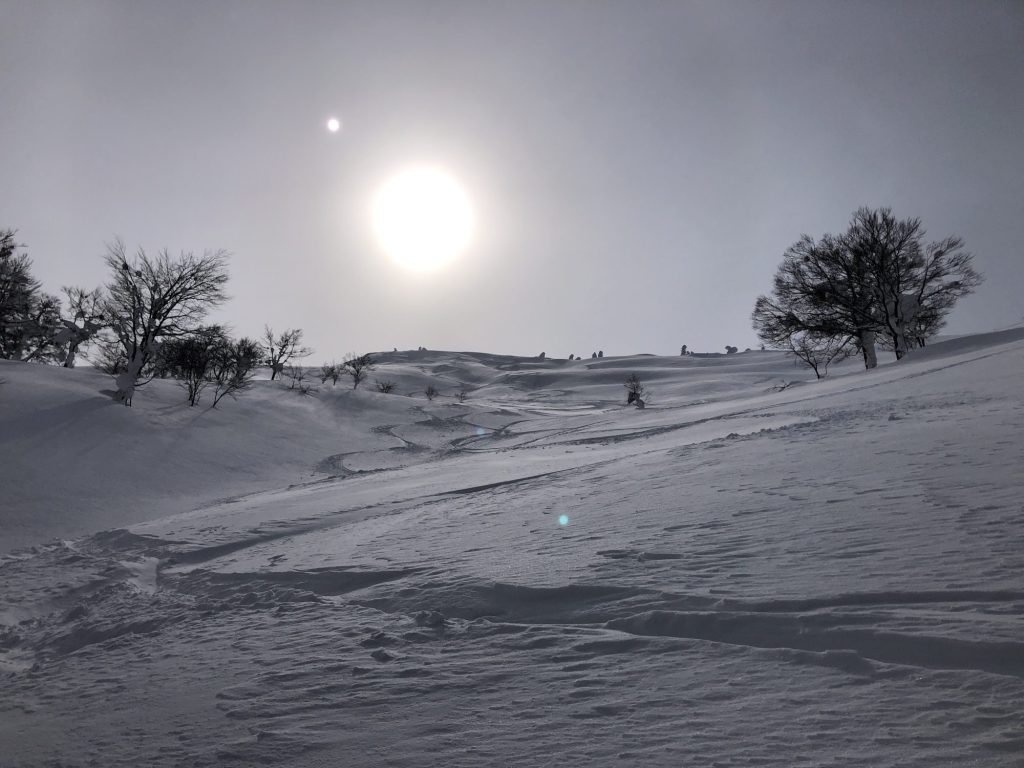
824,575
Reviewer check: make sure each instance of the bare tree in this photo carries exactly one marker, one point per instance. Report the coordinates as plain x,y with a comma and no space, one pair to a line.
233,367
430,391
386,386
358,367
907,277
329,371
877,278
149,299
110,356
189,359
822,288
818,351
282,349
298,376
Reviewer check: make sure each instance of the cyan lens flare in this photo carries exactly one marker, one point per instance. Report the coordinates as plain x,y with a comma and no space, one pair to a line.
480,431
563,519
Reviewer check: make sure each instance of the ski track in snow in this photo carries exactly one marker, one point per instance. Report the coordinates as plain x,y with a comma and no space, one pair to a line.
827,575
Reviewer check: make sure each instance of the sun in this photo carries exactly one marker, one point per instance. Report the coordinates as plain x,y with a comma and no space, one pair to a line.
422,218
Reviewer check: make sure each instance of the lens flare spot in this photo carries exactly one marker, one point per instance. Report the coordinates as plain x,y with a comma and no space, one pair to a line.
480,431
563,519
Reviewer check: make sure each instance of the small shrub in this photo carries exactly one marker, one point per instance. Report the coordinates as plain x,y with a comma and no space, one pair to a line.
358,367
387,387
299,379
328,371
430,391
634,390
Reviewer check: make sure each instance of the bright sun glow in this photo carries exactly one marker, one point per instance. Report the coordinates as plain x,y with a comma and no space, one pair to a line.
422,218
333,125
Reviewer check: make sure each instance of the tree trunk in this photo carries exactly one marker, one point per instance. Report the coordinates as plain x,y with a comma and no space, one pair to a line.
126,381
69,360
866,339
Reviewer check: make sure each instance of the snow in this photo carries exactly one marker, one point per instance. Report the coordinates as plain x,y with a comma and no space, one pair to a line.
744,573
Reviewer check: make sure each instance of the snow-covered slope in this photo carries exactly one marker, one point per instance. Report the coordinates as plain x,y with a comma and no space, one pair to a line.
741,574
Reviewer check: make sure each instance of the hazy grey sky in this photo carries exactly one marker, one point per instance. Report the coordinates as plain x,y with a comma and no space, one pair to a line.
637,168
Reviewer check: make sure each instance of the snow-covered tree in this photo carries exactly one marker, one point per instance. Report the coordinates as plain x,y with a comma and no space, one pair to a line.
80,322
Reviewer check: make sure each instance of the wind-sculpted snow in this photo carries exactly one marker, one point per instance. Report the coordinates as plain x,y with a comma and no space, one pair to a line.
822,575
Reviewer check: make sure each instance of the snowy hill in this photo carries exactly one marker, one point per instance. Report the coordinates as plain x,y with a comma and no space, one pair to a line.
744,573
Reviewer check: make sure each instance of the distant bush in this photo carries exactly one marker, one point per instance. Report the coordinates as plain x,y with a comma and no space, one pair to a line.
635,391
358,367
430,392
730,350
299,378
208,357
329,371
387,387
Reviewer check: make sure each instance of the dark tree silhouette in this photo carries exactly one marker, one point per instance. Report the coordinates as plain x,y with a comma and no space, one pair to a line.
908,278
359,367
28,317
823,289
819,352
877,278
189,359
149,299
282,349
233,367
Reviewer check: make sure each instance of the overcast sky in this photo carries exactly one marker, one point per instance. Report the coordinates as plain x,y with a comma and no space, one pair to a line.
637,168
